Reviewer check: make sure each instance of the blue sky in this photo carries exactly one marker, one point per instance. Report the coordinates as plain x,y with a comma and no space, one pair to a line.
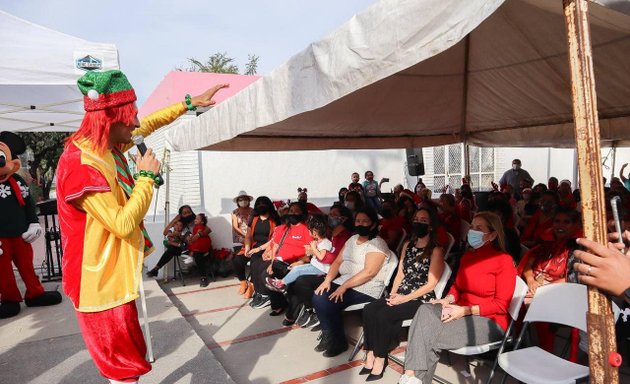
153,37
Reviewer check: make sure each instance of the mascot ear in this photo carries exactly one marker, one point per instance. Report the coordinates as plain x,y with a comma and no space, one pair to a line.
299,189
14,142
305,190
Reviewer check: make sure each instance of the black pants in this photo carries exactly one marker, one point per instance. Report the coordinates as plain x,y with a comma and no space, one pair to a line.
300,293
382,324
167,256
240,263
257,266
203,261
278,300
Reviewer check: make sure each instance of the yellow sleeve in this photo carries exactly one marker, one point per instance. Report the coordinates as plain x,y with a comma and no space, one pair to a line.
156,120
119,220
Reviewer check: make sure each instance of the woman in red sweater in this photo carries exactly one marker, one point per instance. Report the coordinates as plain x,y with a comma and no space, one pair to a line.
475,311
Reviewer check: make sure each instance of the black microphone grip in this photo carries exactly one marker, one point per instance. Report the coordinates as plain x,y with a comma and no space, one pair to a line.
142,148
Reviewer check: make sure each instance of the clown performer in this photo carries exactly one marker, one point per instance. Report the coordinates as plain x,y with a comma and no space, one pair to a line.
19,227
101,207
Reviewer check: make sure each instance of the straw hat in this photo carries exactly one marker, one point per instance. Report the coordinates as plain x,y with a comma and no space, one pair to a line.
242,194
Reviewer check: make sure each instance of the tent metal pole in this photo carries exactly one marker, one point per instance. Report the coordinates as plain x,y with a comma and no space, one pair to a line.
614,159
601,330
463,127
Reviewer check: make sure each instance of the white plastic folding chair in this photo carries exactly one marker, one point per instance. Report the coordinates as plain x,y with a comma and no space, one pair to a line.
439,292
562,303
392,264
520,290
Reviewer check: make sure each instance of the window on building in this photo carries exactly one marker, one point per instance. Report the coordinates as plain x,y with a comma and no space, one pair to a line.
448,167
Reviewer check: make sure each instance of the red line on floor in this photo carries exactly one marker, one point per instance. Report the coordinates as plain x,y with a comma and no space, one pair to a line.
323,373
243,339
214,310
201,290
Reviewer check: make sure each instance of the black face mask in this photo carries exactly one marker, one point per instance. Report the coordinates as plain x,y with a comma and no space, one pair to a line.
187,219
294,219
262,209
363,230
420,229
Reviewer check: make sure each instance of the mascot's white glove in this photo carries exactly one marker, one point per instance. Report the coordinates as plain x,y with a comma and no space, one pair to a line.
32,233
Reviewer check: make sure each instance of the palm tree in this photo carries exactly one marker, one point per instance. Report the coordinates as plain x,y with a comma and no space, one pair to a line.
221,63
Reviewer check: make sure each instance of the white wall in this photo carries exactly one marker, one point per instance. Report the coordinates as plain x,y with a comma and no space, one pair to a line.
279,174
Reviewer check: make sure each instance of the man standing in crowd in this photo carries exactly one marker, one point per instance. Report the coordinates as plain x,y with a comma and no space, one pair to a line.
514,176
101,207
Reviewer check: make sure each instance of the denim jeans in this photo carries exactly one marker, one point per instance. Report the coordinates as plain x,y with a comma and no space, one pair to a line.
301,270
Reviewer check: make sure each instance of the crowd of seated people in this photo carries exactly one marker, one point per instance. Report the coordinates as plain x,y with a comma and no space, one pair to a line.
309,266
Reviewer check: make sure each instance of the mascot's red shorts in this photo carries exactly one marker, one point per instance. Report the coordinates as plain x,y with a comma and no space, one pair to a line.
115,341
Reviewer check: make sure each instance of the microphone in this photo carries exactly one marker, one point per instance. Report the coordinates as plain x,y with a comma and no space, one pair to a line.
138,140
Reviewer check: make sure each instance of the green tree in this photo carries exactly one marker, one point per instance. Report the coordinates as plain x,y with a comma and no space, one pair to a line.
47,147
252,65
221,63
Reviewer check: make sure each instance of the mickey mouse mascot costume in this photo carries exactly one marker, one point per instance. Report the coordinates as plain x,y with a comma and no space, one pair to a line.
19,227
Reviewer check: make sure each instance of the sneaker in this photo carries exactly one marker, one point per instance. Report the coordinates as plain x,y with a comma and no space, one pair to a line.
304,316
204,282
255,300
312,321
275,285
325,339
152,273
265,301
337,346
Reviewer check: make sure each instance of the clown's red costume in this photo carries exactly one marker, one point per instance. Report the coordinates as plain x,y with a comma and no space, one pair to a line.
101,211
101,208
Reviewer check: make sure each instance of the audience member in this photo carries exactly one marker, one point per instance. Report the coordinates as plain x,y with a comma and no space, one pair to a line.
175,244
259,230
372,190
552,184
539,225
353,201
285,250
512,242
240,217
475,311
566,195
362,270
392,225
310,207
466,206
341,195
419,269
514,176
355,185
300,293
200,245
449,217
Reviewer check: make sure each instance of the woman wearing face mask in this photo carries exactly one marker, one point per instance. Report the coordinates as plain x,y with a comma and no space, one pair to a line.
259,229
538,227
357,276
285,249
240,217
419,269
300,293
475,311
353,201
186,215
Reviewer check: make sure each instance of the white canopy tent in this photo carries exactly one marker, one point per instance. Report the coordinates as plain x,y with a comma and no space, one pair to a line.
39,68
415,73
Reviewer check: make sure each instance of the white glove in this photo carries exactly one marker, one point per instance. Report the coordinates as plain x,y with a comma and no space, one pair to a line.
32,233
1,251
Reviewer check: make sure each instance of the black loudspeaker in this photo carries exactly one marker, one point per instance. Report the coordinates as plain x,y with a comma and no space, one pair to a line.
415,161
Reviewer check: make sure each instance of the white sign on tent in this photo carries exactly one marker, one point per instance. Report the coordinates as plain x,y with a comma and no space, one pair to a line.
39,68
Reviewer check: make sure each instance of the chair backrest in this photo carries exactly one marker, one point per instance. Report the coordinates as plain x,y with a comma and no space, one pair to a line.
441,284
560,303
520,290
393,266
449,246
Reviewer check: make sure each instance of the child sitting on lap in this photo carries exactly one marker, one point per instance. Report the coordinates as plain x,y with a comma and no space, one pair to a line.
316,249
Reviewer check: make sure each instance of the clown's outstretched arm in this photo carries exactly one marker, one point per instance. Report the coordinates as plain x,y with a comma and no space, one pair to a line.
167,115
121,221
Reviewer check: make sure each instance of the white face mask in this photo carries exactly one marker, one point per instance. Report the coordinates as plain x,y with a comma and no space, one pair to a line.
516,167
243,203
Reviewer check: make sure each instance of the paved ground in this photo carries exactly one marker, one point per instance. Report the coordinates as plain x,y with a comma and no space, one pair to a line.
200,335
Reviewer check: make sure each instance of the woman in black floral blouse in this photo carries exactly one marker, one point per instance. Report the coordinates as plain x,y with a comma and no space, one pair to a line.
420,267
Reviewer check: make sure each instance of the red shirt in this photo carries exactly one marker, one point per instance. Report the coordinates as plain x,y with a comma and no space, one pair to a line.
292,248
453,225
202,244
536,230
392,230
486,278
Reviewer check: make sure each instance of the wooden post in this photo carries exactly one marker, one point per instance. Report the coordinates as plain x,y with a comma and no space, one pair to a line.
601,330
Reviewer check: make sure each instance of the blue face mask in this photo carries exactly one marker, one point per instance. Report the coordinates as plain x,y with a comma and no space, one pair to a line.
475,238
